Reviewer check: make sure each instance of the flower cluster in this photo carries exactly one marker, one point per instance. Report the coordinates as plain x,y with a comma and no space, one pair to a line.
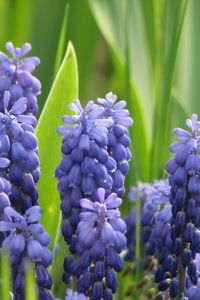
26,240
74,295
5,188
184,178
118,139
83,166
19,153
100,240
89,163
150,196
20,232
16,77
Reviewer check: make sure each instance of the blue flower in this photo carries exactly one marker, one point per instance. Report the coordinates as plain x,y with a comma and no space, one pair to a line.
118,139
88,124
74,295
101,220
27,240
16,77
19,161
184,178
82,169
150,196
5,188
87,176
100,239
116,110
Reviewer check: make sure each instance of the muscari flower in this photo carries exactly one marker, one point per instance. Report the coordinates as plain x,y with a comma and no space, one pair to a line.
86,166
16,77
150,196
118,139
83,166
101,238
5,188
19,162
74,295
27,241
184,178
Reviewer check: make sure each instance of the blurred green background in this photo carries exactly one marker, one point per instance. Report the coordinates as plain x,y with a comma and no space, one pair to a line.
145,51
39,22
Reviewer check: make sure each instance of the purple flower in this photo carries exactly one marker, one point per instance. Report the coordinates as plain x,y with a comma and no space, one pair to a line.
100,239
150,196
118,139
27,240
88,124
184,180
82,169
101,220
5,188
19,161
16,77
116,110
74,295
193,293
87,175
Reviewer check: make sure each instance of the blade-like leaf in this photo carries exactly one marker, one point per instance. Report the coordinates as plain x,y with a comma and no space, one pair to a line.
188,62
62,39
121,25
5,285
173,17
64,90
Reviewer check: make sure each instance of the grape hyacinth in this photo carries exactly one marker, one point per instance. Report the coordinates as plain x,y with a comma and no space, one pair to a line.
20,232
16,77
74,295
118,139
101,238
82,169
27,241
19,150
150,197
184,178
86,166
5,188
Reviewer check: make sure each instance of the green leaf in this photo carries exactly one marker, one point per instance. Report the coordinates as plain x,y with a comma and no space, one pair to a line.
62,39
188,62
121,25
5,285
30,283
64,90
173,17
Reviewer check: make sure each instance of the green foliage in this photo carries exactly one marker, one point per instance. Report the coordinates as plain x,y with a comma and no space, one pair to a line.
150,31
30,284
62,40
5,283
64,90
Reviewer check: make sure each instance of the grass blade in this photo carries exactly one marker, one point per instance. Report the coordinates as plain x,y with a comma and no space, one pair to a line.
5,283
174,17
62,39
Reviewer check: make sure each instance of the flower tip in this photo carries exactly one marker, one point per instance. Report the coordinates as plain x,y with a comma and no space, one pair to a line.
26,48
9,46
111,97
